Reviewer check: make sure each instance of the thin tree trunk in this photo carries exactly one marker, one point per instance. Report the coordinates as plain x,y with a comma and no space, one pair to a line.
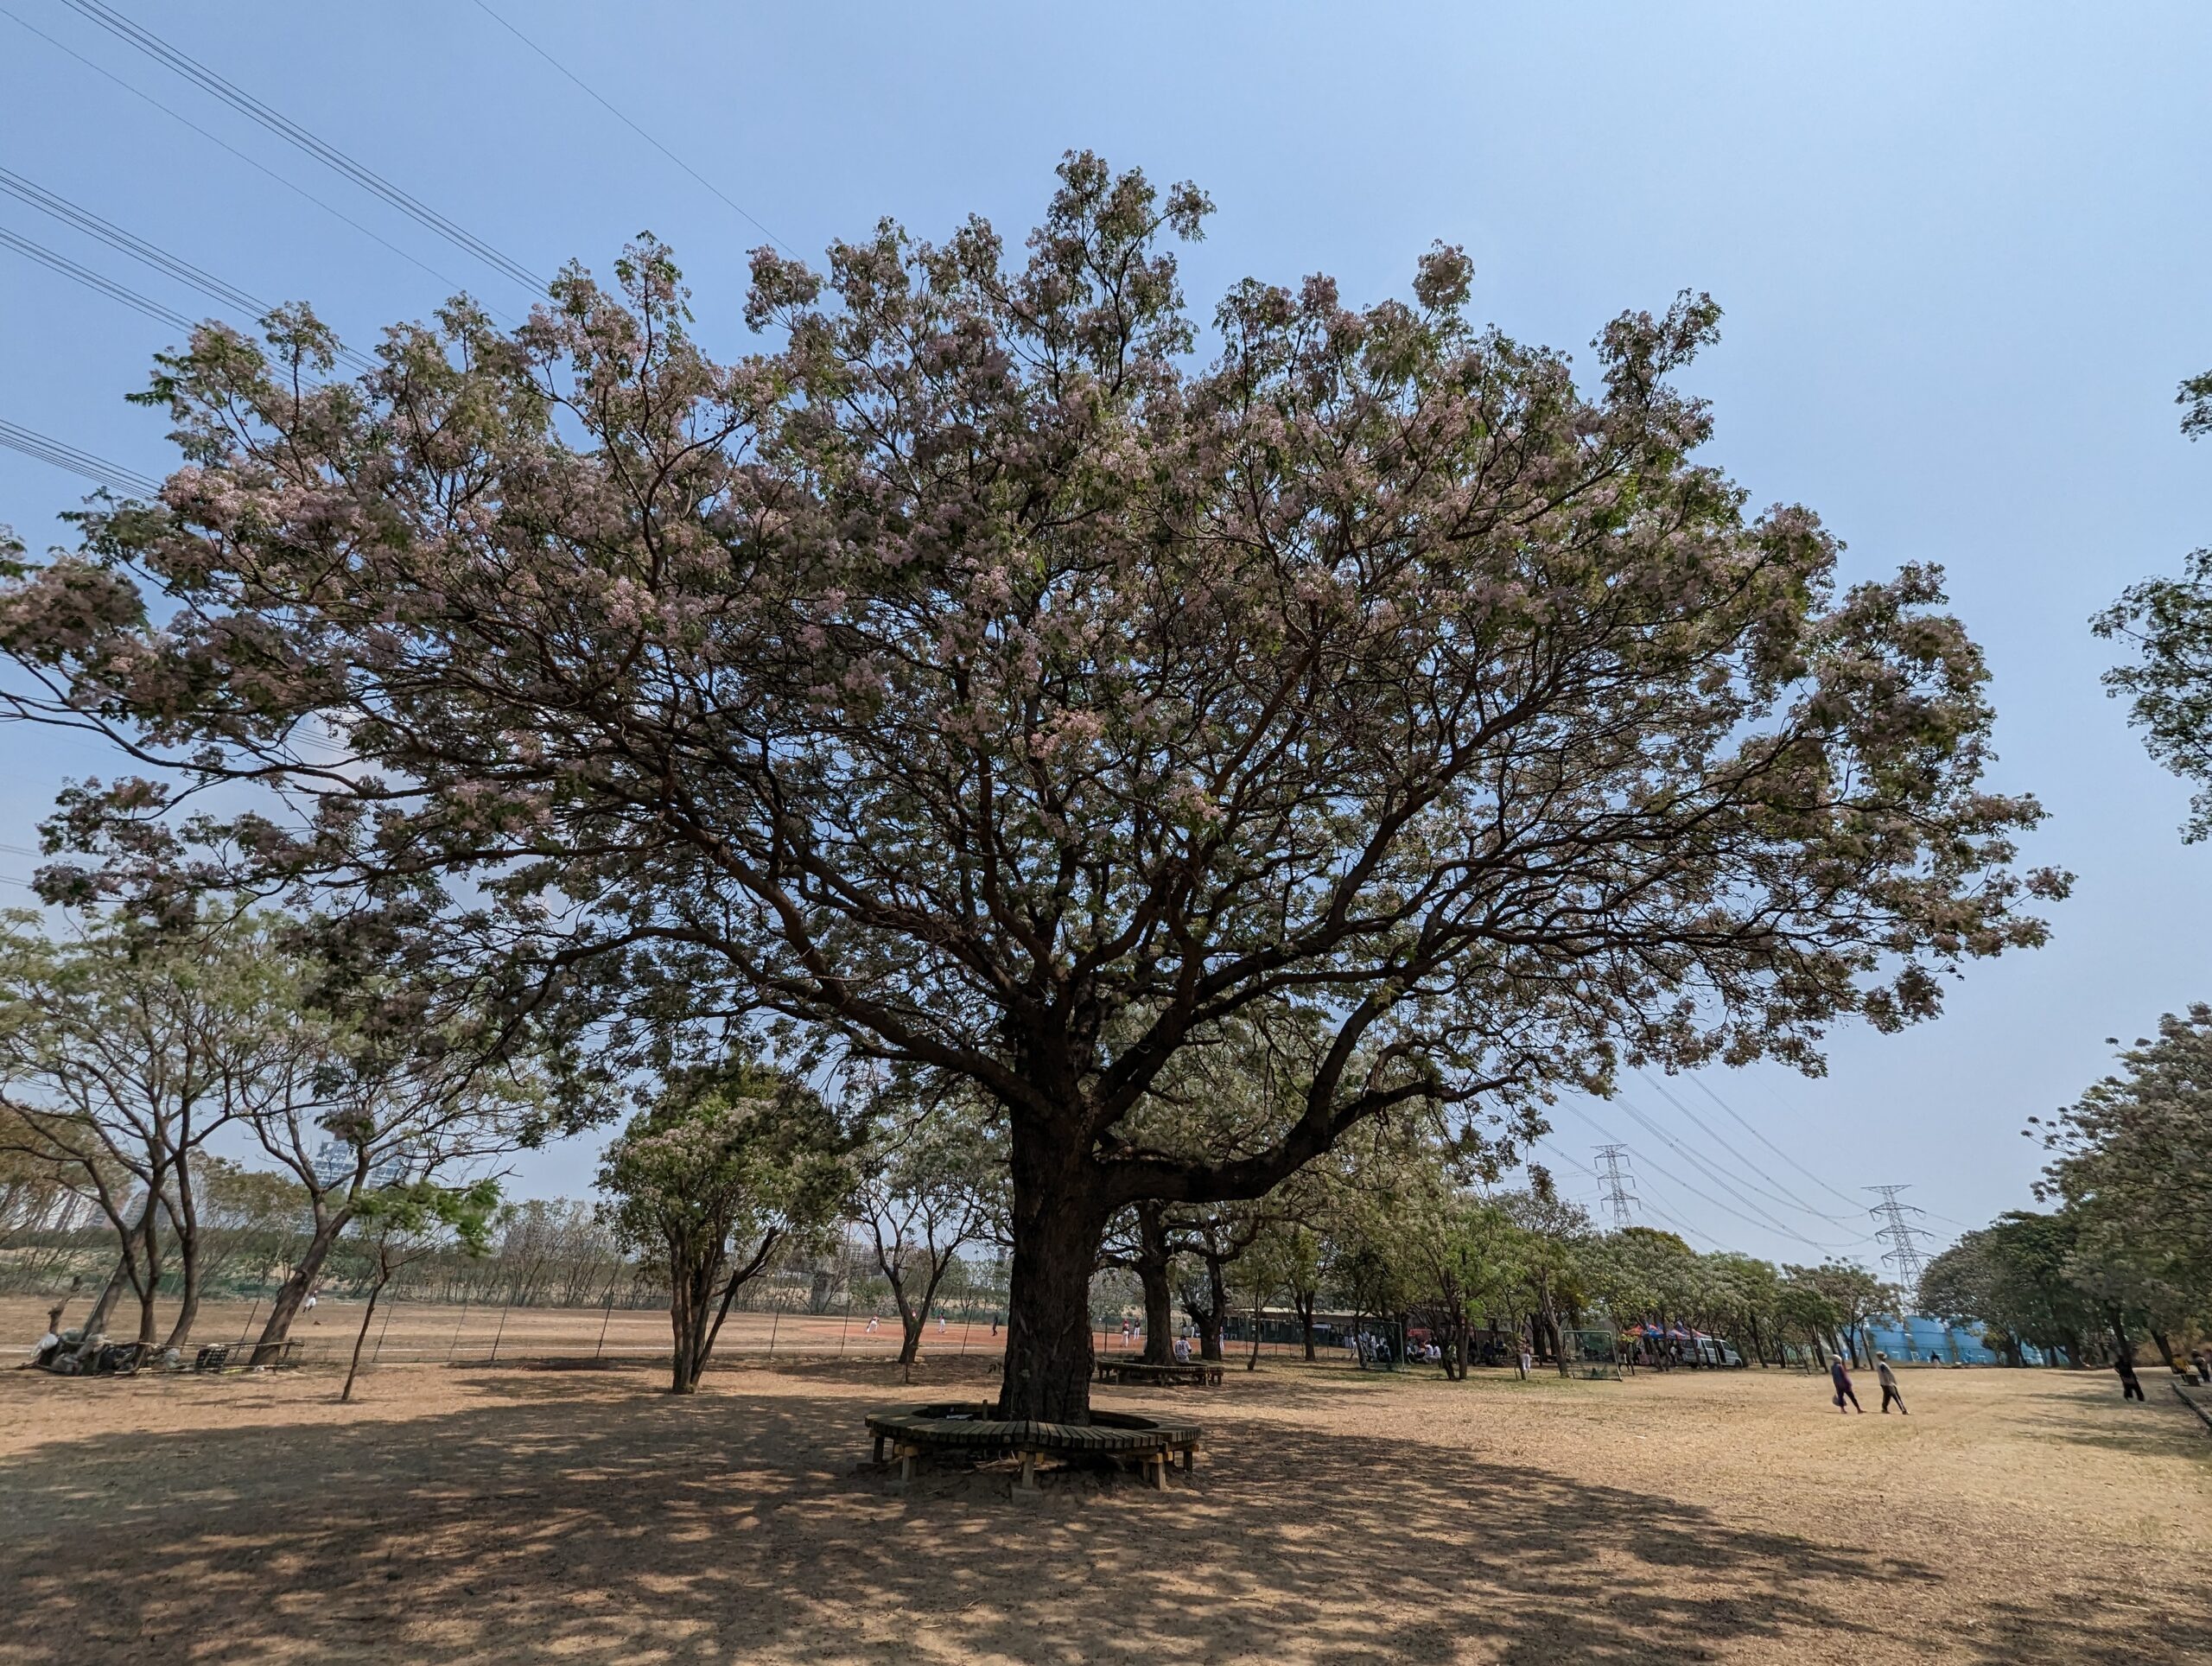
117,1281
1304,1302
1216,1317
187,1250
150,1249
892,1261
354,1367
917,1322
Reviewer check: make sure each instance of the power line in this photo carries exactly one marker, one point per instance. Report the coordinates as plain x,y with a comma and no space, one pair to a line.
92,280
1753,1130
1709,1170
283,127
1765,1226
1674,1221
1781,1193
32,443
597,97
1759,1134
86,221
150,254
253,163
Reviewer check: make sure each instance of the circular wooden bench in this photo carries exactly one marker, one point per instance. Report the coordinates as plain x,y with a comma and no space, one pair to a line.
1197,1374
914,1433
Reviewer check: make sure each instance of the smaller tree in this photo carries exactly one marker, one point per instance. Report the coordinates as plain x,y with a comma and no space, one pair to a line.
249,1217
1858,1297
1641,1273
1804,1310
394,1079
727,1166
125,1045
1213,1240
1740,1294
400,1224
1552,1232
931,1180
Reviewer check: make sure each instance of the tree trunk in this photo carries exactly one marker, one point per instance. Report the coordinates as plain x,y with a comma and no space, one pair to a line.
187,1255
293,1292
687,1324
186,1220
353,1369
2166,1350
1304,1300
1211,1315
1151,1266
2119,1335
149,1250
1057,1221
1211,1322
111,1293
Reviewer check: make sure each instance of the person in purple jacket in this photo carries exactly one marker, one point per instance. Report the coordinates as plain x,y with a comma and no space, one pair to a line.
1839,1374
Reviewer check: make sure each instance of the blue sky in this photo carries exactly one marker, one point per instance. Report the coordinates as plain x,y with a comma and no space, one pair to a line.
1961,252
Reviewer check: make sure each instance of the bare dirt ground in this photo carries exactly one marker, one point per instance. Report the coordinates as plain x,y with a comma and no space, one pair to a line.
526,1515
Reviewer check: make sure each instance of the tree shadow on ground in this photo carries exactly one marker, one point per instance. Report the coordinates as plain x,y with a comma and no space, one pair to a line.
743,1525
2149,1428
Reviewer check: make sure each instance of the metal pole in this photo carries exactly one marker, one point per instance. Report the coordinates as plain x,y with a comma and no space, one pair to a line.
502,1331
381,1329
283,1258
774,1322
457,1324
847,1324
608,1315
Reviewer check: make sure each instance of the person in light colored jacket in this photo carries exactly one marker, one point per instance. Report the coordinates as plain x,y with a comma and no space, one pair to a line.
1889,1380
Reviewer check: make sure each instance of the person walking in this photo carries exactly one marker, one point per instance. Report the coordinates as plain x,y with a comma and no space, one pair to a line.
1889,1381
1839,1374
2129,1388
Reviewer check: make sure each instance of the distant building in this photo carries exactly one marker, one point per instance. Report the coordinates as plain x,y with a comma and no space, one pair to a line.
335,1161
1920,1337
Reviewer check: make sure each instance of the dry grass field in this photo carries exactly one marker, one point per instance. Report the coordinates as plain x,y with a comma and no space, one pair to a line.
474,1513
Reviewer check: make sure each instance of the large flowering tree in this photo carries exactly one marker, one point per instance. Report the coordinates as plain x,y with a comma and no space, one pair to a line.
984,682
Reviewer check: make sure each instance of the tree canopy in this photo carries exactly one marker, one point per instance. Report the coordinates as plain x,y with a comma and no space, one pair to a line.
2169,623
980,680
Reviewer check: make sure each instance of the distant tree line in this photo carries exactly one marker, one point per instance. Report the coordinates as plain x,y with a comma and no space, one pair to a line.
2126,1253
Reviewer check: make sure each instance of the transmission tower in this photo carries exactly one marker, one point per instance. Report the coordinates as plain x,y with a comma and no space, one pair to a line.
1617,1196
1899,1234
